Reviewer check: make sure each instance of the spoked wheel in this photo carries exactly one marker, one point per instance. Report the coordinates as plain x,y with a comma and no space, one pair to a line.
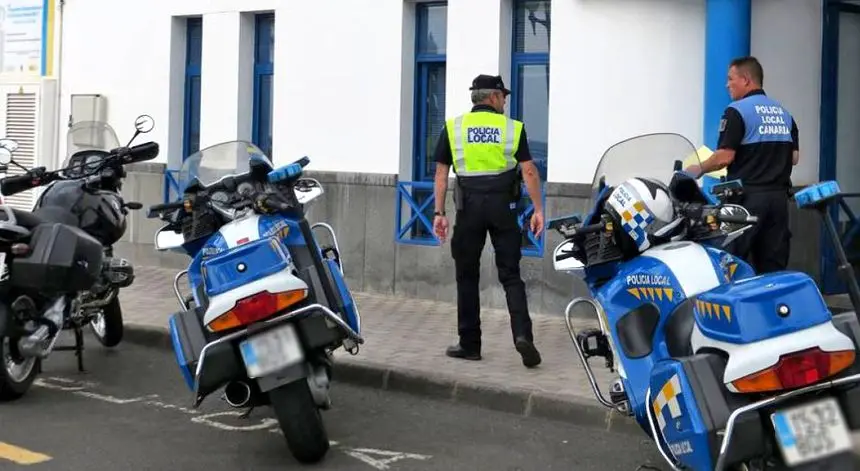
107,325
16,372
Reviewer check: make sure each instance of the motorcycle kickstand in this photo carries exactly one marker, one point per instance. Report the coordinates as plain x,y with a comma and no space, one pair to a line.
247,413
79,347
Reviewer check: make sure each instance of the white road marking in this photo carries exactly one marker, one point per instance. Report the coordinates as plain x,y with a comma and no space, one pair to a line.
204,419
363,454
379,459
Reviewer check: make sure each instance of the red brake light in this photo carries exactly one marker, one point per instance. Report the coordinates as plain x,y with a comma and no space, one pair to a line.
257,307
796,370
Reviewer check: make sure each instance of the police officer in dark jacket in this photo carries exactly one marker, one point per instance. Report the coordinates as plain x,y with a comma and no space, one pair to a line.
759,145
490,156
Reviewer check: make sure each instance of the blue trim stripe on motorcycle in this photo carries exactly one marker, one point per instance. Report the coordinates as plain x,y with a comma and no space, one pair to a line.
178,352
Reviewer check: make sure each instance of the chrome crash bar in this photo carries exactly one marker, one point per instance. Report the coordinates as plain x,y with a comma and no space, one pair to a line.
270,323
572,332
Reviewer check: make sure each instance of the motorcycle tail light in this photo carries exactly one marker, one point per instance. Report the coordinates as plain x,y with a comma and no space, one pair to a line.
796,370
256,307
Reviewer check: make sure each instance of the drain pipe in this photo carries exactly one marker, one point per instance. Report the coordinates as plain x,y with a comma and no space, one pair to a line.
59,104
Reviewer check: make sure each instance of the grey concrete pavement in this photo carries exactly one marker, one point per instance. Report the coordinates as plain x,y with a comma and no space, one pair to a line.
129,411
405,350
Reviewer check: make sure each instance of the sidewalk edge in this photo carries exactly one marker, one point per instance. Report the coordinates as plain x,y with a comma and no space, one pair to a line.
443,387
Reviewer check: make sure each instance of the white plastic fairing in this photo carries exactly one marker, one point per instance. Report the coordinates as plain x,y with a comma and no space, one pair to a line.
277,283
753,357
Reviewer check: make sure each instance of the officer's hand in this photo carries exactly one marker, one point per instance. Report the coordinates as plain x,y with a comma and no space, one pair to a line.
440,227
537,223
694,170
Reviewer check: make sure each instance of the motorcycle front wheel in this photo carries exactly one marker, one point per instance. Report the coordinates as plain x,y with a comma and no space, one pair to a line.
16,372
107,326
300,421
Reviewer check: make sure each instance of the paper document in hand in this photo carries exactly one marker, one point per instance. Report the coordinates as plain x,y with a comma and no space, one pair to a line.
704,153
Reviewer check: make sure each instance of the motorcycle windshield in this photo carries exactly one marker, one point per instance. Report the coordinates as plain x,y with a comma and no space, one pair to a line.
651,156
213,163
90,135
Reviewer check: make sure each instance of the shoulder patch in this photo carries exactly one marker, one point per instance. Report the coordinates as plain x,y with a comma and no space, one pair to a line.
722,124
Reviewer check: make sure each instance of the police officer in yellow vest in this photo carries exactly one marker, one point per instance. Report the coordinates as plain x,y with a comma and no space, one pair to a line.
490,155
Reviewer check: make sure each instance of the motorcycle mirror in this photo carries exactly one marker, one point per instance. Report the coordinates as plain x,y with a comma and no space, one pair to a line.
9,144
166,239
144,123
5,156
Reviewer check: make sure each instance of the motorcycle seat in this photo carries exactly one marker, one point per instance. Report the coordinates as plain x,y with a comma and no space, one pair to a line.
678,329
45,214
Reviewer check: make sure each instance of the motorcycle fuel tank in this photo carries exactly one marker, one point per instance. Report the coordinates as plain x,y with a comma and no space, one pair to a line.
99,212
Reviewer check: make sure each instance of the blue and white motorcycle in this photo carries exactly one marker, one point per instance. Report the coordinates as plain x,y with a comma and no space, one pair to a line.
268,305
724,369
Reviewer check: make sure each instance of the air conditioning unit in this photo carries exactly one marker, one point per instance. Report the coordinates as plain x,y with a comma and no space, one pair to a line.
28,114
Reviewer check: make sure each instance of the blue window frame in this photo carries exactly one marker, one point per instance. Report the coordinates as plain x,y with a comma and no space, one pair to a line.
530,74
193,52
530,101
264,69
431,38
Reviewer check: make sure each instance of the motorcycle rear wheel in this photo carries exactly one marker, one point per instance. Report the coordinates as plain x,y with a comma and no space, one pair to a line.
300,421
16,373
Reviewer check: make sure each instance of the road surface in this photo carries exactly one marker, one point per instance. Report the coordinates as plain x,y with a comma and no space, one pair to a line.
131,410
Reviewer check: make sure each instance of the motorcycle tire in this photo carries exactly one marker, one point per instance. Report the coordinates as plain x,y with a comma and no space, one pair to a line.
112,332
300,421
12,388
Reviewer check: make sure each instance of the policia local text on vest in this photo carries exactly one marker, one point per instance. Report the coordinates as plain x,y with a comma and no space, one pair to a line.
758,145
490,156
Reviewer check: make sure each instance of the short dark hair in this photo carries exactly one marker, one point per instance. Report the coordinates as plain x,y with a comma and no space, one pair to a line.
750,65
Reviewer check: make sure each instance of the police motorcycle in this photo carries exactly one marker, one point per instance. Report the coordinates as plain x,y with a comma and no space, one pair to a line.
49,262
722,368
268,305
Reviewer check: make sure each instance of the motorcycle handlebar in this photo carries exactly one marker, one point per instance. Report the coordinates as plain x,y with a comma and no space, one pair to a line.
18,183
38,176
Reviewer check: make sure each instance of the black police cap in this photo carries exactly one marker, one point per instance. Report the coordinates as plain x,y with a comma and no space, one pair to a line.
489,82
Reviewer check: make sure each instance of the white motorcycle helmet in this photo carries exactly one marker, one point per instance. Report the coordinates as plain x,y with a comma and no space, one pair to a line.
644,210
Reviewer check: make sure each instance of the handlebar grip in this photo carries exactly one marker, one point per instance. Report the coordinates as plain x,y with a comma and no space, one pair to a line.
738,219
304,161
142,152
156,209
591,228
18,183
564,256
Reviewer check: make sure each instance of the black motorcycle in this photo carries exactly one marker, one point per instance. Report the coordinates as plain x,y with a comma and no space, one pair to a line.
57,270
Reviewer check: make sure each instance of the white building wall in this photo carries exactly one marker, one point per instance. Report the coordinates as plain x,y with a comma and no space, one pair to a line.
792,69
343,76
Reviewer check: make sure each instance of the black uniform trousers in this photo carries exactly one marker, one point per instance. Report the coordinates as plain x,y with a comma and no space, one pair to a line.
766,244
482,213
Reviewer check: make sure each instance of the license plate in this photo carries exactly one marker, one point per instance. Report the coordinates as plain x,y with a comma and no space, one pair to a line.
811,432
271,351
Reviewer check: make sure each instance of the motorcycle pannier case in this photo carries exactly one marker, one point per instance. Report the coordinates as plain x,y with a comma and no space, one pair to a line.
62,259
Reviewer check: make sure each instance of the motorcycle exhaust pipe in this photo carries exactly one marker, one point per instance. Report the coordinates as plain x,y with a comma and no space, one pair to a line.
237,394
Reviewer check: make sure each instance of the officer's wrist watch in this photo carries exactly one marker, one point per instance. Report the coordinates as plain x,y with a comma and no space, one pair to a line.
439,213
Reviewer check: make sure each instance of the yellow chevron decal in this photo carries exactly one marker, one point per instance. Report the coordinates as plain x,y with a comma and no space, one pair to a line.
652,293
713,310
732,269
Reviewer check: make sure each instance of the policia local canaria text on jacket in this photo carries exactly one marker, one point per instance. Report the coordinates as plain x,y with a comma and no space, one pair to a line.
490,156
759,144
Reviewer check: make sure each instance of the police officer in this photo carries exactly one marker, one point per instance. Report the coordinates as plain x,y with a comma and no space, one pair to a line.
490,155
759,144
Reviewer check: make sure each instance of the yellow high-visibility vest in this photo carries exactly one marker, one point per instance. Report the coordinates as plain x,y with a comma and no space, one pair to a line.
483,143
